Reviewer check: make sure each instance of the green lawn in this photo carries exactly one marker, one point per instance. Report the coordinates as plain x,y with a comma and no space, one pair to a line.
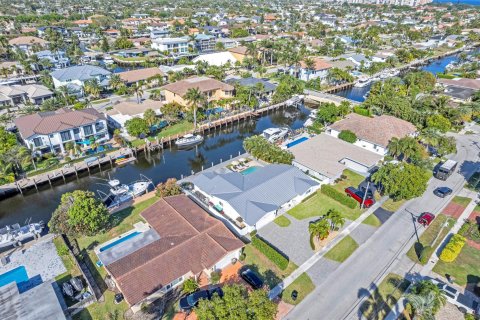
465,269
100,101
372,220
303,285
463,201
177,129
270,272
318,205
342,250
386,295
392,205
353,179
282,221
103,310
429,236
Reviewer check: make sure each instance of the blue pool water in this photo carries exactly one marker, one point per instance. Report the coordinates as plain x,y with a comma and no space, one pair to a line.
116,242
18,275
249,170
294,143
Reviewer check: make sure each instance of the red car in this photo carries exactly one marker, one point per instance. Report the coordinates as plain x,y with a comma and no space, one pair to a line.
359,195
426,218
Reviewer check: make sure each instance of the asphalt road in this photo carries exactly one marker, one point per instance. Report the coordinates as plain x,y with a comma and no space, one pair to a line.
339,296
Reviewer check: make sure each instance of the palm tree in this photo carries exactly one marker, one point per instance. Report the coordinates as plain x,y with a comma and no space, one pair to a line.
409,147
336,219
138,90
319,229
115,82
155,94
195,98
92,88
310,65
150,117
422,305
394,147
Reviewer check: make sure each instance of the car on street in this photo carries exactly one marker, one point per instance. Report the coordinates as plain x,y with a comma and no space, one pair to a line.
190,301
442,192
252,278
426,218
359,196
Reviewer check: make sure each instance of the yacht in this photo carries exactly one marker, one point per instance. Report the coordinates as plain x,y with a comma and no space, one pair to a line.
189,140
108,60
120,193
274,134
10,235
362,82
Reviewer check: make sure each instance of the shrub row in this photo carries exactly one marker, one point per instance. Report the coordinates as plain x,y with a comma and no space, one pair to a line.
453,248
336,195
361,111
271,253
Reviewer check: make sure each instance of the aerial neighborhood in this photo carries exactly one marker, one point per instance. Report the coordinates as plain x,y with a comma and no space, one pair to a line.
240,160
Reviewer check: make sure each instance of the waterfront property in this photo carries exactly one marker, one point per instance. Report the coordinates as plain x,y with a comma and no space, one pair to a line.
216,58
127,110
171,45
135,76
27,44
211,88
50,131
29,93
326,157
254,197
319,70
374,133
179,241
75,77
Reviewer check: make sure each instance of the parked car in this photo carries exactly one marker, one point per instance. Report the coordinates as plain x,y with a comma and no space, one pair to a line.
190,301
442,192
426,218
359,196
252,278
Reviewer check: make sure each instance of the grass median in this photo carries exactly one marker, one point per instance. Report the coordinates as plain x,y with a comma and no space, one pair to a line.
342,250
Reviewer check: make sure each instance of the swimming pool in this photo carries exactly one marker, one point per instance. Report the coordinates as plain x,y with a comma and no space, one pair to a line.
18,275
117,242
294,143
249,170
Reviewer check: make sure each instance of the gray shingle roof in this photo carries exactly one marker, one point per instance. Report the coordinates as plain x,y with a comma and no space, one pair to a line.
257,193
79,72
251,82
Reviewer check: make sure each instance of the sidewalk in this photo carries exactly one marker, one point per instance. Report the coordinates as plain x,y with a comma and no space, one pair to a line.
427,269
277,290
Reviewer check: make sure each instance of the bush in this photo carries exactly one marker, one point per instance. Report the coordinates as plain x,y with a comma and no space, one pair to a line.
336,195
271,253
260,148
361,111
348,136
215,276
168,188
189,286
312,242
453,248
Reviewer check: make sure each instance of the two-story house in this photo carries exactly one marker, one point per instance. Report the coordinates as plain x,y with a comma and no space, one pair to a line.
16,94
49,131
319,69
211,88
171,45
76,76
28,44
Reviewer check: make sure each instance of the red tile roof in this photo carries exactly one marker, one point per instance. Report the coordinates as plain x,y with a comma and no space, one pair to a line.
140,74
320,64
190,241
204,84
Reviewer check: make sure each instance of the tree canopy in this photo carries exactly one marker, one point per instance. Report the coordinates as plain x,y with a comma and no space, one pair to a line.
137,127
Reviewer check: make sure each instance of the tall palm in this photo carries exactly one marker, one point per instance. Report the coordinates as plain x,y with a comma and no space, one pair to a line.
310,65
336,219
92,87
138,90
423,305
115,82
409,147
394,147
319,229
429,137
195,98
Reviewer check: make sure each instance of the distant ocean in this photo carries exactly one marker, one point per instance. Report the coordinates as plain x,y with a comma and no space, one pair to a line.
470,2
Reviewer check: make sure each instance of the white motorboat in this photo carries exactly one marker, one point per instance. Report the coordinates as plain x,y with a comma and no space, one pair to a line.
189,140
362,82
275,134
108,60
121,193
117,188
11,235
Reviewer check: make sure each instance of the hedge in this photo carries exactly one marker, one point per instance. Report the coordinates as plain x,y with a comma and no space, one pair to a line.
336,195
271,253
453,248
361,111
348,136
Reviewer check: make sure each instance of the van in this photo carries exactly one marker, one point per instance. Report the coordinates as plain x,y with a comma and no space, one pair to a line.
445,170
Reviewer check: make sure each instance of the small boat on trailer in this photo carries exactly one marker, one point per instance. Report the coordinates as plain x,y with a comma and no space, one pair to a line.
189,140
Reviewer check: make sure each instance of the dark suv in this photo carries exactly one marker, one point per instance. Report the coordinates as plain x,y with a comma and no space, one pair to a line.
190,301
252,278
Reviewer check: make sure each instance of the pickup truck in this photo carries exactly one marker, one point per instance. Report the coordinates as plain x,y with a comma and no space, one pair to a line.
359,195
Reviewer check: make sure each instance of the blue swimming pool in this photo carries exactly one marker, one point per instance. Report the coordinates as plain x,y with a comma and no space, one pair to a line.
249,170
18,275
294,143
117,242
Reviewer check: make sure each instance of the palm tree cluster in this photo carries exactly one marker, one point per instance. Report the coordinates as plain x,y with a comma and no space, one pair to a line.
329,222
195,100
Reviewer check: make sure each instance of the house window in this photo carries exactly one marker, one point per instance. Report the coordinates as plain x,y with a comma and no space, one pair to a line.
76,131
38,142
66,135
88,130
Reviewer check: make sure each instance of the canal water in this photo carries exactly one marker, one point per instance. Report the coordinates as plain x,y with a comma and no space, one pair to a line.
158,166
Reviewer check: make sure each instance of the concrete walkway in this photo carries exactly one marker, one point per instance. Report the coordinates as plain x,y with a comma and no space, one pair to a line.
277,290
427,269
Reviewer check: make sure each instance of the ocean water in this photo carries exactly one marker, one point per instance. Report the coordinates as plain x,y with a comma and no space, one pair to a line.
469,2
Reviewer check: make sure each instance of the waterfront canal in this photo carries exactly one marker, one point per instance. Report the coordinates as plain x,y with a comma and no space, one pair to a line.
158,166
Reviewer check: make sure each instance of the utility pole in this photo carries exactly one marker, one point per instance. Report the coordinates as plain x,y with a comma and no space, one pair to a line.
365,194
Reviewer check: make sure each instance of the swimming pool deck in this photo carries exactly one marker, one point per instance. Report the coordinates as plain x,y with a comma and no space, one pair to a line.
40,260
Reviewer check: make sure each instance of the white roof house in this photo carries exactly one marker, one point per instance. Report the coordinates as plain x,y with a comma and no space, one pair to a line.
217,59
127,110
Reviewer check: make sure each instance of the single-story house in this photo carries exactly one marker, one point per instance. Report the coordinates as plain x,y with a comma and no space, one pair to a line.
50,131
76,76
325,157
127,110
374,133
181,241
134,76
212,88
239,53
461,82
250,201
357,59
343,64
268,87
217,58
